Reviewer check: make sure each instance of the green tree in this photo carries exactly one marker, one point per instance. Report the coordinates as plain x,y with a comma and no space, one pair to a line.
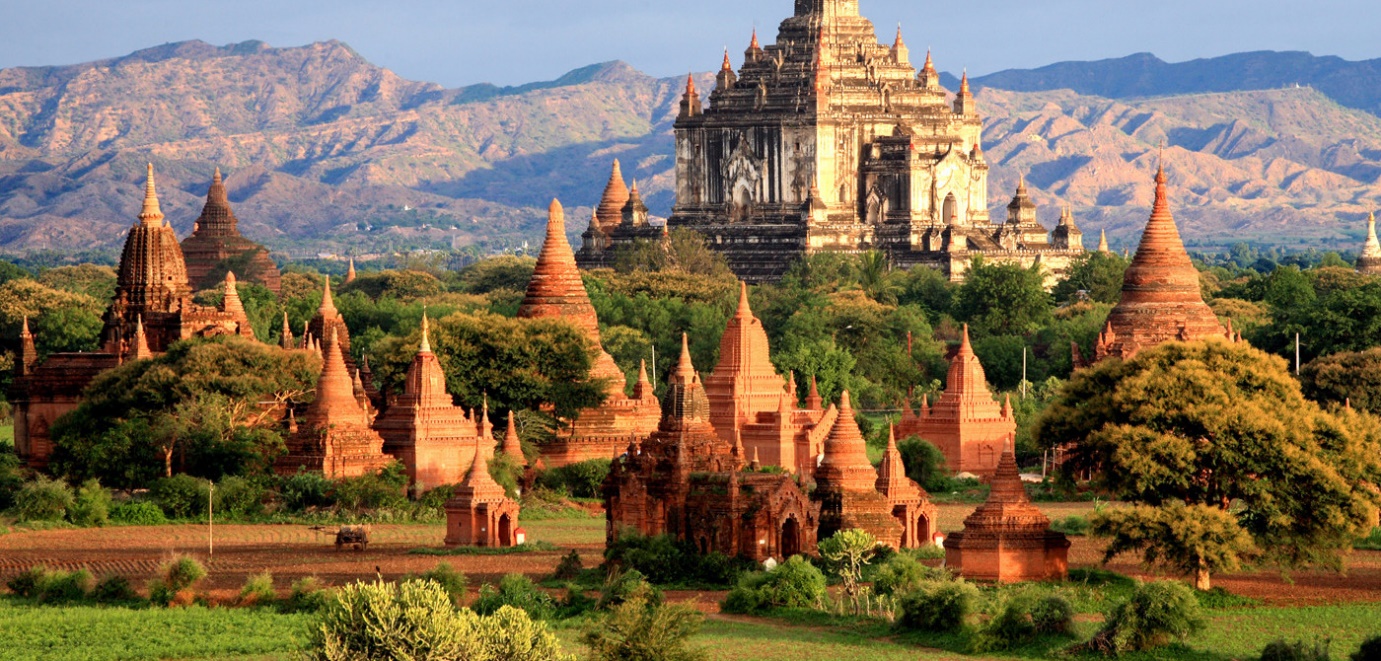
1098,274
848,552
1002,299
1351,377
643,628
1194,540
502,272
1224,426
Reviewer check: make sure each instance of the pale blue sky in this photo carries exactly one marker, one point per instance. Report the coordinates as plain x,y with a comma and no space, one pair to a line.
459,42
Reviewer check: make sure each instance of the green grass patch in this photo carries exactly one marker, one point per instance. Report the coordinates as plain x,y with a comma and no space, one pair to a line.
1371,542
567,532
530,547
89,633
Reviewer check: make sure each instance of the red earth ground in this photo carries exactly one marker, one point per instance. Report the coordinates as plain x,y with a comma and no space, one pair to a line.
294,551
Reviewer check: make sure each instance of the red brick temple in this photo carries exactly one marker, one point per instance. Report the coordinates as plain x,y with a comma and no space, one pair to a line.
334,436
965,423
1007,539
1161,299
480,513
846,485
911,505
422,426
556,290
688,482
216,246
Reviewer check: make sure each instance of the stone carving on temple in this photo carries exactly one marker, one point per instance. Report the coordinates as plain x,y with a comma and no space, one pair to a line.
1007,539
967,425
829,140
216,246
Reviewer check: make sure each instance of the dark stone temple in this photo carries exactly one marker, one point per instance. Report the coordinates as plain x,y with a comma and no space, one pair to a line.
828,140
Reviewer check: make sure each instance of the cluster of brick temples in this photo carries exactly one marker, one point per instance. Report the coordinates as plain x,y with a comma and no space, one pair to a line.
828,140
620,222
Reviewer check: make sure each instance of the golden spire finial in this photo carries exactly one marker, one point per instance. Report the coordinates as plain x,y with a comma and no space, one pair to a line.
151,214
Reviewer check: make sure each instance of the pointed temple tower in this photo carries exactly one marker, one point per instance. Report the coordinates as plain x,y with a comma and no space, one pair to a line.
911,505
1161,300
1369,262
846,485
328,320
966,423
687,482
424,428
1007,539
480,513
512,445
750,404
620,221
830,140
216,246
556,290
334,436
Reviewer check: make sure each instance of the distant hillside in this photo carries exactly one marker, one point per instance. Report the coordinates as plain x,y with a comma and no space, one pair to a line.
324,151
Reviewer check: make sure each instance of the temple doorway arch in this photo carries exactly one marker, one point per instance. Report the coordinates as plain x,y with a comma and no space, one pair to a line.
791,537
505,530
951,208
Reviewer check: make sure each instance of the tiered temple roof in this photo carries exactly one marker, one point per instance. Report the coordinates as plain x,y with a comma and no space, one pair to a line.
1161,299
216,246
966,423
334,436
1007,539
481,513
911,505
846,484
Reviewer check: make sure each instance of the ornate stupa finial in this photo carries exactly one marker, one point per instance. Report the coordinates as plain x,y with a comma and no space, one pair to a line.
151,214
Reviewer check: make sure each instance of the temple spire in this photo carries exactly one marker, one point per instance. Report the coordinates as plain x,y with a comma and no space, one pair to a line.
231,302
426,346
511,445
140,350
151,215
1103,241
685,369
286,339
328,306
350,272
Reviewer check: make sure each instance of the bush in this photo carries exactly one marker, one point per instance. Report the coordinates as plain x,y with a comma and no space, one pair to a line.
258,591
180,496
43,499
450,580
1074,526
11,480
1053,615
518,591
663,560
901,573
238,497
418,620
1155,614
940,606
92,505
140,513
27,582
926,464
793,584
180,577
1021,618
307,596
619,589
642,627
64,587
1280,650
114,590
569,568
1370,650
386,490
579,480
304,491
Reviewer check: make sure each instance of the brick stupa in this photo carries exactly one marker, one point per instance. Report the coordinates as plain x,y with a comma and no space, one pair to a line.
334,436
1161,300
966,423
326,321
556,290
846,484
688,482
1369,262
424,428
480,513
216,246
1007,539
911,505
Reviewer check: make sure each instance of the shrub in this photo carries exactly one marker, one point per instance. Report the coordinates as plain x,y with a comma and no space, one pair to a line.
1074,526
642,627
305,490
43,499
1155,614
180,496
114,590
569,568
1021,618
793,584
27,582
450,580
938,606
663,561
64,587
238,497
1370,650
1053,615
179,577
926,464
92,505
575,603
418,620
901,573
140,513
307,596
1281,650
257,591
518,591
11,480
580,480
386,490
622,587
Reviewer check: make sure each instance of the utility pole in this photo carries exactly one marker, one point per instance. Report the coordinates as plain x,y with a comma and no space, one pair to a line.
210,518
1296,354
654,367
1023,374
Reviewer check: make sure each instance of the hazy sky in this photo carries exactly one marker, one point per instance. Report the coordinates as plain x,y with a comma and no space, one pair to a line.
458,42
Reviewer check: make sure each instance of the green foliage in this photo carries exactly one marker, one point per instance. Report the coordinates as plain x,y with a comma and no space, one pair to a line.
91,507
939,606
47,586
1156,614
515,591
27,582
1097,275
793,584
847,552
507,472
1282,650
1348,377
181,496
501,272
450,580
1073,525
1021,618
306,596
418,620
402,285
1002,299
43,499
925,464
11,478
1129,424
642,628
257,591
625,586
114,589
236,496
138,513
1195,540
305,490
178,579
386,489
902,572
665,561
569,568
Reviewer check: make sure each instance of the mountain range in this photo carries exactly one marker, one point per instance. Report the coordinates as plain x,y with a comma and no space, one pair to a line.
324,152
